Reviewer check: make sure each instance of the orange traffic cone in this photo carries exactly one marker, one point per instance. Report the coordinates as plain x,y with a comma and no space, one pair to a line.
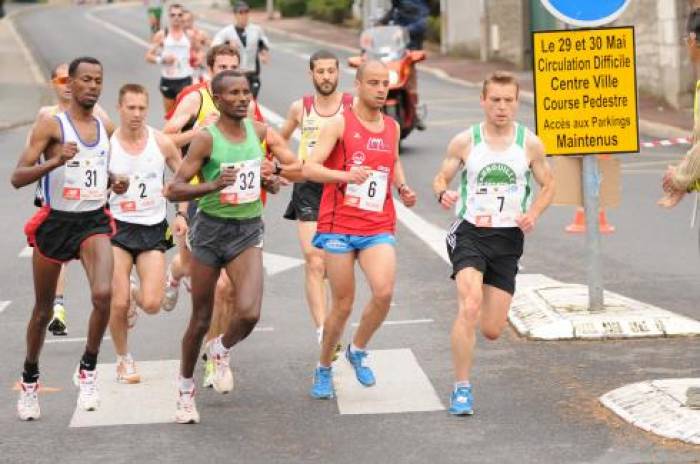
578,225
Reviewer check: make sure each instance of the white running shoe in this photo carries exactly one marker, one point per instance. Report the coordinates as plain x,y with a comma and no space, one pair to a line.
172,291
223,375
89,396
28,402
126,370
186,411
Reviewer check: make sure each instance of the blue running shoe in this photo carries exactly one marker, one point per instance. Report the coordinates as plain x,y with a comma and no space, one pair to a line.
323,384
462,402
363,373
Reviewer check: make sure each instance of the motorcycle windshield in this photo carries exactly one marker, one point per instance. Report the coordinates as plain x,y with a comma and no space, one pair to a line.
385,43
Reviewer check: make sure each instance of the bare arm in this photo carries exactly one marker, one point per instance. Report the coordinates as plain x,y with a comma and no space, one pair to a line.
170,152
28,169
293,120
102,115
289,164
314,169
184,112
152,55
544,177
179,189
457,153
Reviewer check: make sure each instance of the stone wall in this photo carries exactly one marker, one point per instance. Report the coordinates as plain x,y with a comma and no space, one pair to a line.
507,28
462,21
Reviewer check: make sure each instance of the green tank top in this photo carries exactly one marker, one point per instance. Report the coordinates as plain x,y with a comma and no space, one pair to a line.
225,151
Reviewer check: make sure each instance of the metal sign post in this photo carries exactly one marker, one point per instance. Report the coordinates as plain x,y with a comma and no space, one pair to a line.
591,204
575,70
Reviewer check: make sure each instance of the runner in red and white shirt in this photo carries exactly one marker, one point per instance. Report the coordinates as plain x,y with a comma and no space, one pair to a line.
357,158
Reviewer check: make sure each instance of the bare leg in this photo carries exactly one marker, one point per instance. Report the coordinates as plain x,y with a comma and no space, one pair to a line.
203,284
45,277
341,276
150,266
315,272
469,293
247,272
223,307
121,297
494,311
97,258
379,266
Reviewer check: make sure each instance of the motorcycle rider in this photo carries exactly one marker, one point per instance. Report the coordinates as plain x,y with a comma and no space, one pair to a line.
412,15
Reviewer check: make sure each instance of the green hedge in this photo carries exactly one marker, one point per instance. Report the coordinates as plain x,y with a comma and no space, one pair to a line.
433,30
251,3
291,8
333,11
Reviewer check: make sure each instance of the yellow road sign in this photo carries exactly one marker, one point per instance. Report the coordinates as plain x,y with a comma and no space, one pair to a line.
586,91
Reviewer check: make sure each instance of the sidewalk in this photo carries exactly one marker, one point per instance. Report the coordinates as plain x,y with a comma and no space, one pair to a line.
657,119
22,88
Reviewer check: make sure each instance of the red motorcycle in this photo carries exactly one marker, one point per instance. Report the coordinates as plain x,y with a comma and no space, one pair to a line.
388,45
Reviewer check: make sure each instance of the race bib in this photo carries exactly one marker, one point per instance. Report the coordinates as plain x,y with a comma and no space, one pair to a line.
145,190
246,189
496,205
369,195
85,179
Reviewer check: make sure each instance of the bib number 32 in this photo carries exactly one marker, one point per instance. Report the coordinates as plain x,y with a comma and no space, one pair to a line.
246,189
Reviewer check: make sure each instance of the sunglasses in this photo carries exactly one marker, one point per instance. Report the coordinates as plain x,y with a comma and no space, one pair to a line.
60,80
176,15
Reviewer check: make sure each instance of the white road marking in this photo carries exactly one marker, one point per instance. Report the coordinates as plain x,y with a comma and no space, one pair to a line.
71,340
264,329
4,305
118,30
150,402
402,322
401,386
274,263
26,252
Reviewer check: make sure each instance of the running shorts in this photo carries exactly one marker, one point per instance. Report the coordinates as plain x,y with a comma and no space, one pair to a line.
58,235
169,88
345,243
306,198
493,251
215,241
137,238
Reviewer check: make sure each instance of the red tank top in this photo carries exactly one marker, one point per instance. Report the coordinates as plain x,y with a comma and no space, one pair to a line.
338,213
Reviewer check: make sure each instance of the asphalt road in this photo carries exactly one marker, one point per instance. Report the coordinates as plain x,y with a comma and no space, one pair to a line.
536,401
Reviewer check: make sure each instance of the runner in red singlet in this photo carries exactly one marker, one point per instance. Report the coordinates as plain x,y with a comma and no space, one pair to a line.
357,158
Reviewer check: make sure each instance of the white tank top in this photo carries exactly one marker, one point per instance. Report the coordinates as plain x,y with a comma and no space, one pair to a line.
81,183
180,48
495,186
143,203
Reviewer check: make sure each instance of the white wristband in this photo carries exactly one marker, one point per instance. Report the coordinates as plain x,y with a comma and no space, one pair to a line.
159,59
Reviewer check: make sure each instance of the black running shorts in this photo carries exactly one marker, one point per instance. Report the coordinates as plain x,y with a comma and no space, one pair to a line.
493,251
137,238
58,235
216,242
169,88
306,198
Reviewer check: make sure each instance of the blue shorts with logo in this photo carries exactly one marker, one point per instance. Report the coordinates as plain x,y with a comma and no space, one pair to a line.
345,243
